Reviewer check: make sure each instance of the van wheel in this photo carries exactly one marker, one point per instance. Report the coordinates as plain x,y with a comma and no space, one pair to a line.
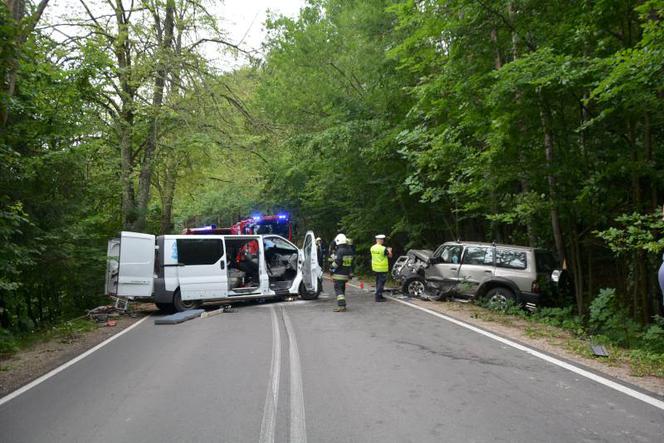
499,298
182,305
165,308
306,295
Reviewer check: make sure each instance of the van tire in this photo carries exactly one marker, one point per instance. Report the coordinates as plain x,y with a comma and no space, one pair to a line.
180,305
165,308
306,295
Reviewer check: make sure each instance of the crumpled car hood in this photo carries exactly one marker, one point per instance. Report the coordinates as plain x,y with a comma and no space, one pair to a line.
421,254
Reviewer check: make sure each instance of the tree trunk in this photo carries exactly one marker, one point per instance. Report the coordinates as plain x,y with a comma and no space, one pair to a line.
545,116
126,124
167,197
145,177
25,27
122,49
577,272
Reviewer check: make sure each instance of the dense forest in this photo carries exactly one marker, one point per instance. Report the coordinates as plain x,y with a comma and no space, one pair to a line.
530,122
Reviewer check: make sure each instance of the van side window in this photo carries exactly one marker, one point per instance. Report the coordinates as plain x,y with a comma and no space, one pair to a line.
478,255
199,251
511,259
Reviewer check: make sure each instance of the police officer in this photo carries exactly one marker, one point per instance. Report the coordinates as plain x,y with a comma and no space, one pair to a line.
380,265
341,269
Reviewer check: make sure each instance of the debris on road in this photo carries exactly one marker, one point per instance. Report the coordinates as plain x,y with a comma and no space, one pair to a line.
207,314
112,323
104,313
179,317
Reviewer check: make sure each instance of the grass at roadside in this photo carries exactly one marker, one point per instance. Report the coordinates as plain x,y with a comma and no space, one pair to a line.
65,332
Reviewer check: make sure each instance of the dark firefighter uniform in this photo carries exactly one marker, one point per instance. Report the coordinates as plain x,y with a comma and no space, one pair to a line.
342,269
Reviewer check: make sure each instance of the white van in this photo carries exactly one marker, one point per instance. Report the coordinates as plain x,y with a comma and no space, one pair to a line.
180,272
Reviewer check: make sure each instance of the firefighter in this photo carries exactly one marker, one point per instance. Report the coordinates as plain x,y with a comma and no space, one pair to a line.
380,265
341,269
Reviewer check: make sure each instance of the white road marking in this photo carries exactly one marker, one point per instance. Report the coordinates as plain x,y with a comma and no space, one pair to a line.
64,366
269,422
582,372
298,428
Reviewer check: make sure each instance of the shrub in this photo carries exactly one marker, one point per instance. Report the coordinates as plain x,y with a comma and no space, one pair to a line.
652,339
647,363
611,320
8,344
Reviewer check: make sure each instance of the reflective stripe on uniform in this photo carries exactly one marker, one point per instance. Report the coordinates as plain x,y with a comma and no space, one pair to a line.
341,297
340,277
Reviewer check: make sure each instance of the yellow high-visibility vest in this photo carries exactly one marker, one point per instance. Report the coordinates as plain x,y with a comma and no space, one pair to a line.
379,262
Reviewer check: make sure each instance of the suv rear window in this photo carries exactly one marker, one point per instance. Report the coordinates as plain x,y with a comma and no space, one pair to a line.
199,251
511,259
545,262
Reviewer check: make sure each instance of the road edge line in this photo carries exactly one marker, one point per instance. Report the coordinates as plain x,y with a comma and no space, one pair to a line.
269,422
65,365
563,364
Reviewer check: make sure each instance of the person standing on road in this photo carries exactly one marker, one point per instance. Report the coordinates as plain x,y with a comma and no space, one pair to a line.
341,269
380,265
661,279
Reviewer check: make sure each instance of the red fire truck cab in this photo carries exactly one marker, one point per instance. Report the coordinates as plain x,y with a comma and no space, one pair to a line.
279,224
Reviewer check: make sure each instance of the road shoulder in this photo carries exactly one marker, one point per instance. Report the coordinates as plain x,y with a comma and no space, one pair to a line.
40,358
518,330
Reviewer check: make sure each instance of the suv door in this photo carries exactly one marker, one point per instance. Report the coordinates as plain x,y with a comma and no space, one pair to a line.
445,264
311,269
477,265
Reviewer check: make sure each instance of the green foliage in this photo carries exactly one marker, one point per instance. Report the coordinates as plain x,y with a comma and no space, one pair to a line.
635,232
560,317
8,344
609,319
427,121
652,339
647,363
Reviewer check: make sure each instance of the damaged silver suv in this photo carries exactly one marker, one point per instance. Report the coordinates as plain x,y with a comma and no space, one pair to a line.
498,273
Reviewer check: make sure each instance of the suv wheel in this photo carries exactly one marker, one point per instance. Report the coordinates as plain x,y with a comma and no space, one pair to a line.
499,297
413,287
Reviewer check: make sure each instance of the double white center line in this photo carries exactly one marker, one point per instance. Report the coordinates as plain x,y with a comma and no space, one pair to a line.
298,429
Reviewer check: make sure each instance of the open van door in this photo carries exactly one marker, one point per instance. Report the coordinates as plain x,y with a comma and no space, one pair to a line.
135,276
312,272
112,266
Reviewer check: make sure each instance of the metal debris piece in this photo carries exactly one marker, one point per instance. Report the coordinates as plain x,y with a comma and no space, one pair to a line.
599,350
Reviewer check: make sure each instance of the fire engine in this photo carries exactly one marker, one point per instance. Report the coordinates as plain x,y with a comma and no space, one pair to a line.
279,224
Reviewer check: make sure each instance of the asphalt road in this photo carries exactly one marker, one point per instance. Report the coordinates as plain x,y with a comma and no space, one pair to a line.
291,372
